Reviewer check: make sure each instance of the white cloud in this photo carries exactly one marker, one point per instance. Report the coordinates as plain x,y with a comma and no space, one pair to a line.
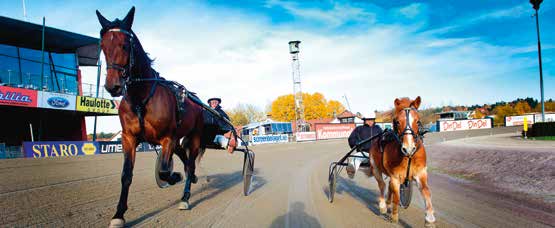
339,14
244,59
412,10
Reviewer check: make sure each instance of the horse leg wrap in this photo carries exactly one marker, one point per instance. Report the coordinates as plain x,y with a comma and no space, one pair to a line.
194,178
186,196
175,177
165,175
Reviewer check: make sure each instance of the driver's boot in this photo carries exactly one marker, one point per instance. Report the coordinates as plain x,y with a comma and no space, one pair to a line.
232,143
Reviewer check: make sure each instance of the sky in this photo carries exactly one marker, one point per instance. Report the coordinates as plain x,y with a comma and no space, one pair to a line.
448,52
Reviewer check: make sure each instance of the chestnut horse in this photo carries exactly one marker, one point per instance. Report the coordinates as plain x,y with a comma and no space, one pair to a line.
148,111
397,155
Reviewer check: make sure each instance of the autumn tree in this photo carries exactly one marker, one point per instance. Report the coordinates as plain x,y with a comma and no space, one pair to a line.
522,107
478,114
501,111
243,114
549,107
335,107
315,107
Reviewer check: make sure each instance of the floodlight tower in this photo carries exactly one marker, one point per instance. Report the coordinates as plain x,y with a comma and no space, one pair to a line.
297,92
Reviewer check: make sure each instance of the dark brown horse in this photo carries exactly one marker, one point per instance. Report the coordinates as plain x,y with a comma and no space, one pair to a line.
148,111
396,157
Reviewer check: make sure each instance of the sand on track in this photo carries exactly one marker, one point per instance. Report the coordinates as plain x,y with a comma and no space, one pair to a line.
289,190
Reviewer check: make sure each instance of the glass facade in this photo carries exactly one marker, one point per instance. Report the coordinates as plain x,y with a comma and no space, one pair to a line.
21,67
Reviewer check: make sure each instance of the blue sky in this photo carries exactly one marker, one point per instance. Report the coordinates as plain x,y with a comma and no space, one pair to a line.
448,52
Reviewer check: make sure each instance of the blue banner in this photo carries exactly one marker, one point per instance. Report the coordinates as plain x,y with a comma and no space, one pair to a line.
117,147
59,149
263,139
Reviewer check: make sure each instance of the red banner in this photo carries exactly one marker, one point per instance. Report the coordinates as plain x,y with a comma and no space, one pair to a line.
305,136
333,131
18,97
459,125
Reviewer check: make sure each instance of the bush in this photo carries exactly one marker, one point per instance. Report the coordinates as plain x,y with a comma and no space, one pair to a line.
542,129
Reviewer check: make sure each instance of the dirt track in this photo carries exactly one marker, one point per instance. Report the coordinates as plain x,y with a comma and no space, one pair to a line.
290,190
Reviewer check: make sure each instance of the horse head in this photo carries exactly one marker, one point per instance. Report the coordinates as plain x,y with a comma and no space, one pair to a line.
406,123
117,44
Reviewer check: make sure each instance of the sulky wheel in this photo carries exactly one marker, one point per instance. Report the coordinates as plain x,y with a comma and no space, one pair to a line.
406,194
332,179
248,170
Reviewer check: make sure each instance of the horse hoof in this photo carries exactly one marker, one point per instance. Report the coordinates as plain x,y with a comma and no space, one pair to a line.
194,179
183,205
394,218
429,224
429,220
176,177
116,223
383,210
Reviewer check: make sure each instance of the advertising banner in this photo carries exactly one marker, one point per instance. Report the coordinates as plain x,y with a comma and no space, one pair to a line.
305,136
117,147
59,149
333,131
518,120
265,139
98,105
461,125
549,117
56,101
18,97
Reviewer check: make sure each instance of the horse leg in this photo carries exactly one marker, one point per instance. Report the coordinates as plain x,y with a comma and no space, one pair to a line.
422,181
193,148
197,162
166,173
129,147
394,185
381,184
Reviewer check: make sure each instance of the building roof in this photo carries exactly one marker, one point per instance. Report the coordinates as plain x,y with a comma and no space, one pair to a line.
29,35
346,114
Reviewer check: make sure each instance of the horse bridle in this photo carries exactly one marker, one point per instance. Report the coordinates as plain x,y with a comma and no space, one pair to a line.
125,69
408,130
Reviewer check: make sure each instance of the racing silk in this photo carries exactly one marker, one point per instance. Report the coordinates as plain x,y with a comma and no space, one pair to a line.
361,133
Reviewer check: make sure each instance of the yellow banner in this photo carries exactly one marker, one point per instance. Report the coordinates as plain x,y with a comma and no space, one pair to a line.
525,123
98,105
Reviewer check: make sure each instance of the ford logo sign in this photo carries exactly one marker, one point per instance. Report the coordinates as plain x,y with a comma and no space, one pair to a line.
58,102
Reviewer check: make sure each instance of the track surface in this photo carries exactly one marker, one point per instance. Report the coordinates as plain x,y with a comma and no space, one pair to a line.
289,190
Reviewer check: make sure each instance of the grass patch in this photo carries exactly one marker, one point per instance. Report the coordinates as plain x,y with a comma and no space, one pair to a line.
550,138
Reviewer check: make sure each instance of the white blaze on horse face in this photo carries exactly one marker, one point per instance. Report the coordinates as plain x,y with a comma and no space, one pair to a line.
409,141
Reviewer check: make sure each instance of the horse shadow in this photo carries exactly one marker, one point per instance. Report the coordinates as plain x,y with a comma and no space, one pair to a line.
295,217
365,196
220,182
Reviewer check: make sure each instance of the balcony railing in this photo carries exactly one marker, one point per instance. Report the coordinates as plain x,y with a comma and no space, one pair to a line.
90,91
58,84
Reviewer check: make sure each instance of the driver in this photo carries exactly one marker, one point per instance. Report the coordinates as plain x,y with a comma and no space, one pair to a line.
224,136
360,133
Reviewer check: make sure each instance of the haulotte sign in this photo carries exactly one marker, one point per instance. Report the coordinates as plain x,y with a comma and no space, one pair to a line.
98,105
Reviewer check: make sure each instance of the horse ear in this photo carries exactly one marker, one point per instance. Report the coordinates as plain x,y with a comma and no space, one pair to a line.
128,20
397,102
103,21
416,102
